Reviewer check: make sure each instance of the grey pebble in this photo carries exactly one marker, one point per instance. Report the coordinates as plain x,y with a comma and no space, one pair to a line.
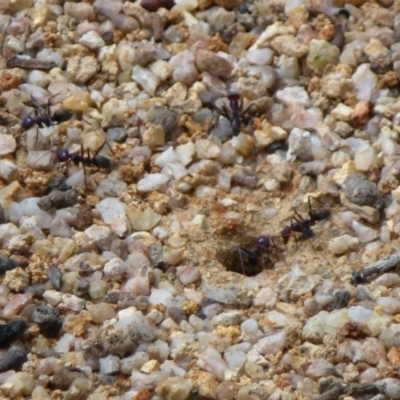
361,191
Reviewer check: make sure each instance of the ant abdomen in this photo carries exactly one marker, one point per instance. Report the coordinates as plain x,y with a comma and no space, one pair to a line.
102,162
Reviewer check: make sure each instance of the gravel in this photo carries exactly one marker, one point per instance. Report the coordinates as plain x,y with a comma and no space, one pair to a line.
138,275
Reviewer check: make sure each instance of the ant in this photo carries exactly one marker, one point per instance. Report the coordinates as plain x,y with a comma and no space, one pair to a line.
304,226
77,158
263,244
45,119
235,113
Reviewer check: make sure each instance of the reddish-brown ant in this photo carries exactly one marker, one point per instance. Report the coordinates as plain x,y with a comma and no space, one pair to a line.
45,119
253,256
235,113
77,158
304,226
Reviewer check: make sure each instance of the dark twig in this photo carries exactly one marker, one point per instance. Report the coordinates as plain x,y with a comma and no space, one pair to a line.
378,267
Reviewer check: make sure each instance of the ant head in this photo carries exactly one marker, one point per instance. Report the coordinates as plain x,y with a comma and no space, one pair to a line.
264,242
233,96
63,155
28,122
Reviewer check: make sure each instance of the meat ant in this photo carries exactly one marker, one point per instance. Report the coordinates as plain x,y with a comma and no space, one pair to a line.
235,113
263,244
304,226
77,158
42,119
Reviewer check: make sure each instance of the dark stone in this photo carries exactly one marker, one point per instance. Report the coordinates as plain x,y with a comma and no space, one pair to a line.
63,378
176,314
340,300
11,331
111,297
361,191
156,254
7,264
13,360
127,299
36,290
119,248
55,275
246,176
81,287
116,134
58,182
165,117
48,320
2,215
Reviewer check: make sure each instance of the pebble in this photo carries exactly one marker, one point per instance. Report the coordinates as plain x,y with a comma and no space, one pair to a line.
48,320
271,344
19,384
13,359
7,144
153,182
361,191
343,244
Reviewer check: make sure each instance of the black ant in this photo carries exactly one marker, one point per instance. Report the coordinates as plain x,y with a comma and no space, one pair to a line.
304,226
235,113
263,244
77,158
45,119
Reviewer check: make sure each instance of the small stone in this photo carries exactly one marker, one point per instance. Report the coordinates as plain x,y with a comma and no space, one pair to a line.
153,182
227,318
146,79
175,388
343,244
365,234
188,275
19,384
12,331
15,304
109,365
7,144
211,62
150,366
299,145
63,378
322,54
13,359
207,149
81,69
92,40
48,320
289,45
271,344
211,361
342,112
361,191
185,70
365,82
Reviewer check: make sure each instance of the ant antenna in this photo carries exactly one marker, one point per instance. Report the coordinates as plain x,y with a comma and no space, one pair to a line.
3,37
105,141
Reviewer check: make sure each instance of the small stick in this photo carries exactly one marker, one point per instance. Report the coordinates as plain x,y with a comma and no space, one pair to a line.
29,63
378,267
339,389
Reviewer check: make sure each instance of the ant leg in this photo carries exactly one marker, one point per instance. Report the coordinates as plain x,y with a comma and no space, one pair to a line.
246,110
213,124
83,163
320,214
